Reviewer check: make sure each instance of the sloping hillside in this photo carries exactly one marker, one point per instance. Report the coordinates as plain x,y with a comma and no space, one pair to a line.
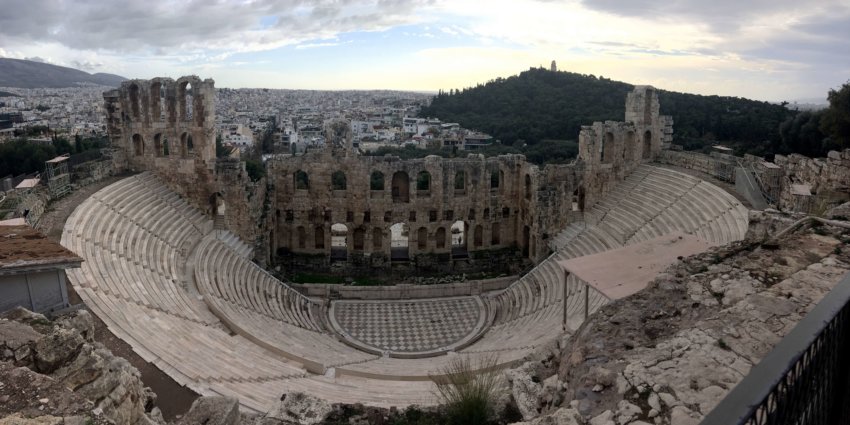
29,74
539,104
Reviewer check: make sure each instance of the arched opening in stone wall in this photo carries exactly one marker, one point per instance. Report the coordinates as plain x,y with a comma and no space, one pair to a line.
576,204
157,144
319,237
339,241
607,151
422,239
377,239
186,145
526,242
459,239
527,187
495,234
495,179
440,238
478,236
166,149
423,182
359,237
629,146
647,144
401,187
138,145
338,181
188,102
134,101
301,181
156,101
376,181
460,183
301,234
399,241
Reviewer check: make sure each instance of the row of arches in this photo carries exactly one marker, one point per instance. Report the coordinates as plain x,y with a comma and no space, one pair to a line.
400,182
607,151
459,237
182,108
162,146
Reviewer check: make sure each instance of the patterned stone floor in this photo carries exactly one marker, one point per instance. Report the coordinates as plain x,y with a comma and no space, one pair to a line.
410,325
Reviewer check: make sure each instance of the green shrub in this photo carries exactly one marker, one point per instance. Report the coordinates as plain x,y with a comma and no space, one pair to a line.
467,392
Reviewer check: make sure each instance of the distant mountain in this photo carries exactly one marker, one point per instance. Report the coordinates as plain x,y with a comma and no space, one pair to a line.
29,74
539,104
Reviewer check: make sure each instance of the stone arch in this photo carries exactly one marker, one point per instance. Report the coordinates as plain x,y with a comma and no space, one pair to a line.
319,237
301,180
440,238
422,239
183,101
478,236
301,234
526,240
338,181
376,180
423,181
339,241
186,145
647,145
495,179
138,145
495,234
156,100
377,239
157,144
134,101
401,187
459,238
399,241
358,238
629,145
460,182
527,187
606,152
219,208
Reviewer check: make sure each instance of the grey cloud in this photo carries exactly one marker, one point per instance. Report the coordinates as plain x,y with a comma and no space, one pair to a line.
161,25
37,59
719,15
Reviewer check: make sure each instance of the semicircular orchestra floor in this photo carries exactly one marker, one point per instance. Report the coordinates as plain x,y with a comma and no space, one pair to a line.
409,328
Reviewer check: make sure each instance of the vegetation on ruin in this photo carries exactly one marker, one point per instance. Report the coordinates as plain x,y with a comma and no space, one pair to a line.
21,156
468,397
524,110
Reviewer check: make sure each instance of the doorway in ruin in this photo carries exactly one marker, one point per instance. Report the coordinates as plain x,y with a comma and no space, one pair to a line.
339,241
401,187
526,240
459,239
647,144
399,242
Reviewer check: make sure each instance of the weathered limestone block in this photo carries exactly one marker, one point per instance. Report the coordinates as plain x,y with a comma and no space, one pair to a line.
212,411
298,409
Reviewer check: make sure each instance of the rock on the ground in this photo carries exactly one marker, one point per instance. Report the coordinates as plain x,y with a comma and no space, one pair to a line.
526,392
562,416
298,409
213,411
57,348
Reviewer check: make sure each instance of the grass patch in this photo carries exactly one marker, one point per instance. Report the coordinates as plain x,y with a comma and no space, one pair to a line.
468,392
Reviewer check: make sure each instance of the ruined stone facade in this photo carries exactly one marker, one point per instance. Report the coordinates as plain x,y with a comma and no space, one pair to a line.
611,150
501,202
338,205
168,126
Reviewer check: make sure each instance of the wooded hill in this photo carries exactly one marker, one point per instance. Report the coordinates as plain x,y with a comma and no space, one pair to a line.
539,104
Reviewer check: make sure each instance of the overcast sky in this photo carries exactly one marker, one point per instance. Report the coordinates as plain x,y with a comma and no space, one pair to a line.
764,49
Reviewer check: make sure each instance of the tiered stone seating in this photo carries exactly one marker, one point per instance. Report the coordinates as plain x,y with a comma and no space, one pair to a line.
188,298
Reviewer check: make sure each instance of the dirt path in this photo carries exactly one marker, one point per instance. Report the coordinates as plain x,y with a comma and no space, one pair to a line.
172,398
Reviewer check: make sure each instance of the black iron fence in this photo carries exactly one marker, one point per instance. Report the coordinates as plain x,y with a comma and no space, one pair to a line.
805,379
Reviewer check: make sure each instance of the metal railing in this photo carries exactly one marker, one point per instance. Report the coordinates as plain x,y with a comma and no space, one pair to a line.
805,379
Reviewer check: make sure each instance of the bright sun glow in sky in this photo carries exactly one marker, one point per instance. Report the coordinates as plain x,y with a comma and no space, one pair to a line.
763,49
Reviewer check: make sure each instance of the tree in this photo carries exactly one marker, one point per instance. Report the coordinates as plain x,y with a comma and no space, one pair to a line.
835,122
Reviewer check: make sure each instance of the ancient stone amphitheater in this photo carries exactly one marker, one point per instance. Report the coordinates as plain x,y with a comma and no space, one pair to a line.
173,273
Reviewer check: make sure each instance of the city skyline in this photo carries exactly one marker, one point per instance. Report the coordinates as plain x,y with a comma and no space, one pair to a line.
777,50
